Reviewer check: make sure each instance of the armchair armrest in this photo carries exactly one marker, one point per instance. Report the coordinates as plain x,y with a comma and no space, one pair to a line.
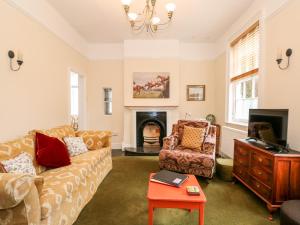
95,139
209,145
170,142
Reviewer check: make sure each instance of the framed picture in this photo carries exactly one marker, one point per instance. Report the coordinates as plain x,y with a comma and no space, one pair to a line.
195,93
151,85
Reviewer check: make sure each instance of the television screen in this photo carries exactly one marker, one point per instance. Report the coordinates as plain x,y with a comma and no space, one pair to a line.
268,125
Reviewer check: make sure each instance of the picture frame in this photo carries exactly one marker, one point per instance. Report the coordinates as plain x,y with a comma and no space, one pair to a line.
151,85
195,93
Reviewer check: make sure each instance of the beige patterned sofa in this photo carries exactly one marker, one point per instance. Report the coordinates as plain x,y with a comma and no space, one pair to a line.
56,196
176,157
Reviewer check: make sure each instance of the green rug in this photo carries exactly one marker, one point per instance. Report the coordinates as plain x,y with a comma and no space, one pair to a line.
121,200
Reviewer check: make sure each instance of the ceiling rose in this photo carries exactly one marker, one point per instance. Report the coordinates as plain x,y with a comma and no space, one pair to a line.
147,19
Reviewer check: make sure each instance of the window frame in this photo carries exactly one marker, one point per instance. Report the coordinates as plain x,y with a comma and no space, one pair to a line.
232,79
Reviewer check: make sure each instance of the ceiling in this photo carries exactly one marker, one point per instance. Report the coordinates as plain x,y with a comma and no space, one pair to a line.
103,21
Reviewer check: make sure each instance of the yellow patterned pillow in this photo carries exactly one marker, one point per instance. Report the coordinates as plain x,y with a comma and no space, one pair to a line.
95,139
193,137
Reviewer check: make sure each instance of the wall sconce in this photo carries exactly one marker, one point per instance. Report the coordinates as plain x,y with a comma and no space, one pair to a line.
11,56
279,59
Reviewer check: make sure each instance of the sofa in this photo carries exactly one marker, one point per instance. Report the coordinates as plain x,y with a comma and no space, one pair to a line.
175,157
54,196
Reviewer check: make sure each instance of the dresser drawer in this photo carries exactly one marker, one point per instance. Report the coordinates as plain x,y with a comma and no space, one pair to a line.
262,161
241,161
241,151
241,172
260,188
262,175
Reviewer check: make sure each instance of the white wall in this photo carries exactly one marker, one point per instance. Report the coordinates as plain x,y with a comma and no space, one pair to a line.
37,96
277,89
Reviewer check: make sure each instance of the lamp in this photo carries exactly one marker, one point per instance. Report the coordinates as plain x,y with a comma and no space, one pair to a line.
20,61
279,59
147,19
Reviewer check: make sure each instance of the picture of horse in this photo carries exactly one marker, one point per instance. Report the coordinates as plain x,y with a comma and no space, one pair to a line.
151,85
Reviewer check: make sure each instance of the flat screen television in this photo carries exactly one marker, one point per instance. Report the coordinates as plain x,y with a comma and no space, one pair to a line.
269,126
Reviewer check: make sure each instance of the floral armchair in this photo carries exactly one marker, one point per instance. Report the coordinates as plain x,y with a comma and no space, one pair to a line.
175,157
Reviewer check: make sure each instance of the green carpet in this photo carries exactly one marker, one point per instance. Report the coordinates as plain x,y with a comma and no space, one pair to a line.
121,200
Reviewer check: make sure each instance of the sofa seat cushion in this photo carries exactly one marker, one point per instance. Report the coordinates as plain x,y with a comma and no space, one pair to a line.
91,157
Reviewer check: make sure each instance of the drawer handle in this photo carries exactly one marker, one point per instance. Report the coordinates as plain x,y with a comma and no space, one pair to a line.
258,185
260,160
259,173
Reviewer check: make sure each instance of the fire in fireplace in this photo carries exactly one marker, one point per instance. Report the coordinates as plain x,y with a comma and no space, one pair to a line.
151,134
150,129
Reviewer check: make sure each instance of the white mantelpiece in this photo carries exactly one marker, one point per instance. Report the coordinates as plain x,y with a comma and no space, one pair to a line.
129,139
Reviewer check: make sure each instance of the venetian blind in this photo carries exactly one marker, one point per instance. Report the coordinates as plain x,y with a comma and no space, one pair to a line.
245,53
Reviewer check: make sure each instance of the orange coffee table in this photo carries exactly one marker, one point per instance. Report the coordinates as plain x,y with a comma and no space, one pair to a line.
164,196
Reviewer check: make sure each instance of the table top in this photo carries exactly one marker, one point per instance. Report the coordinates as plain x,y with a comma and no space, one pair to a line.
162,192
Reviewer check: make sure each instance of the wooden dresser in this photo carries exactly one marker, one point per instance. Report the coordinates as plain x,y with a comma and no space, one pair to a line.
273,177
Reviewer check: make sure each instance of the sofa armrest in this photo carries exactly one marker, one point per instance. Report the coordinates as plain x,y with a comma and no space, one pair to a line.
14,188
95,139
170,142
18,192
209,144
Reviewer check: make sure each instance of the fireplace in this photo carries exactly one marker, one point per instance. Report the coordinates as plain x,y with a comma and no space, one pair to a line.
150,129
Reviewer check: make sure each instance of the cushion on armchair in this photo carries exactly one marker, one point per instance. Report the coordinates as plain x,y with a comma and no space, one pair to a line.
193,137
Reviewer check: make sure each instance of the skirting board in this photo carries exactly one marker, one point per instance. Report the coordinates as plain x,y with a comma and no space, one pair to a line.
116,145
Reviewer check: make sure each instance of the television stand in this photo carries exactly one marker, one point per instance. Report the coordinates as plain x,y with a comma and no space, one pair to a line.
273,176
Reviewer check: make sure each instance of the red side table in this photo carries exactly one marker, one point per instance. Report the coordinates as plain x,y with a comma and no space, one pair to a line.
164,196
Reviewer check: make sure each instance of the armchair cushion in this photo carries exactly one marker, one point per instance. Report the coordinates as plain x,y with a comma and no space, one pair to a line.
187,161
13,189
95,139
193,137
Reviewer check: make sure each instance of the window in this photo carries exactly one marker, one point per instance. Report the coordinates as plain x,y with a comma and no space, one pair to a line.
107,101
244,68
74,78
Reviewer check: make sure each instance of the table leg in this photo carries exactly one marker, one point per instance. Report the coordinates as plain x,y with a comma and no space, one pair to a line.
201,214
150,214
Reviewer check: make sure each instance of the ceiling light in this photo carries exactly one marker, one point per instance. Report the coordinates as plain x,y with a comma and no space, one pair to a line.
147,19
126,2
170,7
155,20
132,16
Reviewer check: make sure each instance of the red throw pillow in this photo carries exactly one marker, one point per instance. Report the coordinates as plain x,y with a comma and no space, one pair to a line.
51,152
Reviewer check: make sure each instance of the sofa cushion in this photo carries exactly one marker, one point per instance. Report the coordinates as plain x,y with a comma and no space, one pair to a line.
11,149
75,145
57,132
95,139
20,164
51,152
193,137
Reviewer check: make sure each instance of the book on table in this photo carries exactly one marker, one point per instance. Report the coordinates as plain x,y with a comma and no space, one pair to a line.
169,178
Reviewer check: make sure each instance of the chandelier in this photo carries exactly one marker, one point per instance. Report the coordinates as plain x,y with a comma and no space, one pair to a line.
147,19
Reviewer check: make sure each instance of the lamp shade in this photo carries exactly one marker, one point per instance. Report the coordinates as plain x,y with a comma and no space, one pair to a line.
126,2
170,7
132,16
155,20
